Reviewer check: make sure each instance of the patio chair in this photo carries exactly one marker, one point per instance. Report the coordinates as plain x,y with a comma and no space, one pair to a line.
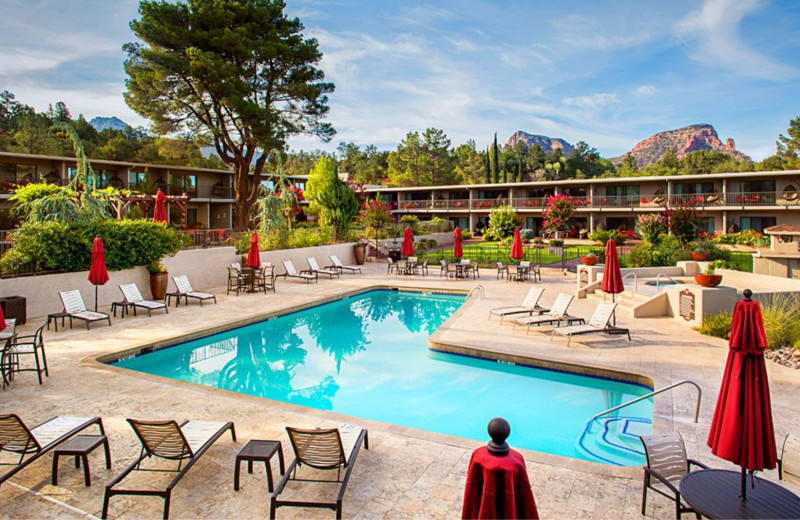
133,298
667,463
529,305
312,263
10,329
237,280
789,463
556,314
322,449
25,345
391,265
15,437
265,278
171,441
599,322
338,265
292,272
421,268
76,309
183,289
502,270
447,270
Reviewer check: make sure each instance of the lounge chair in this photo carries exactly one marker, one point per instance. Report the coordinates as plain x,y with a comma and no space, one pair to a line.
667,463
312,263
24,345
338,265
556,314
529,306
168,440
76,309
133,298
322,449
183,289
17,438
599,322
292,272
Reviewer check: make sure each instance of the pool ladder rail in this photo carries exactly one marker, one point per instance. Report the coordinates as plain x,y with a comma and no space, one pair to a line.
591,421
479,289
668,277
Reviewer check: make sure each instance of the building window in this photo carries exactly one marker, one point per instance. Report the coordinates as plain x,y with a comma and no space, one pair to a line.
693,188
300,184
574,191
180,184
269,184
757,223
706,225
757,186
191,217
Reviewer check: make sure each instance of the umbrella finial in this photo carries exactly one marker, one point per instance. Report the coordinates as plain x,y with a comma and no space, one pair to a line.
747,295
499,430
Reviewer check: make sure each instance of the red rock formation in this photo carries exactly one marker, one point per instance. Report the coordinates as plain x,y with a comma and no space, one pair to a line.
547,143
684,140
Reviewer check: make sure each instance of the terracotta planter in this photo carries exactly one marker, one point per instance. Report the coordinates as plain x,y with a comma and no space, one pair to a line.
360,253
699,257
590,260
708,280
158,285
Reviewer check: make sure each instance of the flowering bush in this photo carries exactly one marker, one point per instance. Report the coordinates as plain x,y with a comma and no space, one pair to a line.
376,212
651,226
557,213
683,222
502,222
291,201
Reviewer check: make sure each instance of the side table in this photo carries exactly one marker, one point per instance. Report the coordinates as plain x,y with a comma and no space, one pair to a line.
80,447
54,318
258,451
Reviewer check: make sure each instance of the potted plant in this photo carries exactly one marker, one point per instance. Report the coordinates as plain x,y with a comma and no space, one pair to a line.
699,255
158,279
589,259
708,278
360,251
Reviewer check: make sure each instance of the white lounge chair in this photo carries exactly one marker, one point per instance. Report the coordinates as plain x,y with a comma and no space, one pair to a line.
183,289
338,265
292,272
134,298
75,308
556,314
312,263
599,322
529,306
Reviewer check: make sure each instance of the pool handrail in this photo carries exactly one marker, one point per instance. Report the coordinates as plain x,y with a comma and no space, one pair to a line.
658,278
635,280
651,394
478,288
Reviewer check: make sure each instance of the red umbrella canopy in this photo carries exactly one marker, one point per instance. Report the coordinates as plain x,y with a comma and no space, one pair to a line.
2,319
457,251
98,274
253,258
160,211
516,246
408,243
612,276
742,430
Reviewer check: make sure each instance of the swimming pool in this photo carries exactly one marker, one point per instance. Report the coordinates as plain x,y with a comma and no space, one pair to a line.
368,356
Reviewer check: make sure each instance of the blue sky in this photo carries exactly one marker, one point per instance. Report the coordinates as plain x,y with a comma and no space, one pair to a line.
608,73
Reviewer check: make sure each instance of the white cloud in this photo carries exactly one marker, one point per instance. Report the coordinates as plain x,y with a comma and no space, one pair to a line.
576,30
712,37
646,90
598,100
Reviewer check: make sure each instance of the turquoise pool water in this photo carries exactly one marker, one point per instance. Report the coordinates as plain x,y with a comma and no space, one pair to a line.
368,356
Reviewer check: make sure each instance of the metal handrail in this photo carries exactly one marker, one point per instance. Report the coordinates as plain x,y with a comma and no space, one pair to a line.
658,277
635,281
478,288
651,394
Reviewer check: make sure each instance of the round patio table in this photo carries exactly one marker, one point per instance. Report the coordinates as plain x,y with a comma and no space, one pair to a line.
714,493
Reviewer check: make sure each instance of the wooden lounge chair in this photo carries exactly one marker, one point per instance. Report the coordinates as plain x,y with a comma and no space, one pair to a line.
599,322
339,266
556,314
183,289
312,263
24,345
529,306
292,272
667,463
168,440
322,449
15,437
76,309
133,298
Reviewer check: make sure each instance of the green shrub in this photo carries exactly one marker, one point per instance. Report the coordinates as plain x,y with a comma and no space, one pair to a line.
466,235
781,317
437,225
503,220
526,234
67,246
308,238
712,248
135,213
410,220
716,325
748,237
556,242
603,236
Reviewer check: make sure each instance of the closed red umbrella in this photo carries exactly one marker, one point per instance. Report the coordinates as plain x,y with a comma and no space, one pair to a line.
457,251
2,319
612,276
742,430
516,246
98,274
160,211
408,243
253,258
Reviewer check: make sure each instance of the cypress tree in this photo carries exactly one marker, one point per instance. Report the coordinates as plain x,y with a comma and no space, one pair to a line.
487,166
495,161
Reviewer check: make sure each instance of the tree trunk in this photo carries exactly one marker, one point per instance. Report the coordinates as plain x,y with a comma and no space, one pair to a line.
244,196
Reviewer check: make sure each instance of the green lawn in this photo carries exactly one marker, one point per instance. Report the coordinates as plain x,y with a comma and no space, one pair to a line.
488,253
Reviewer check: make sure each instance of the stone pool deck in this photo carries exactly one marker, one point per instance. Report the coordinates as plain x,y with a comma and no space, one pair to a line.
406,473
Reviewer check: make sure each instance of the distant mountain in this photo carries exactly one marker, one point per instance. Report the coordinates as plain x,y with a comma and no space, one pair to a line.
548,143
104,123
687,139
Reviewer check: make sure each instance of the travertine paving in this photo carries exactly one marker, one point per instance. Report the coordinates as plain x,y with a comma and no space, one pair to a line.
406,473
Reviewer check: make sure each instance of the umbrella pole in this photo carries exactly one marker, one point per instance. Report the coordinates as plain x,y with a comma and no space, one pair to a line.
95,298
743,496
614,314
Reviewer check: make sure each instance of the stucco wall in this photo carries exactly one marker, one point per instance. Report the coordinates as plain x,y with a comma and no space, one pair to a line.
206,269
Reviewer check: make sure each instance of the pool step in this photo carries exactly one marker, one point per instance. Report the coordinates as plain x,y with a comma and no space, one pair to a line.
615,440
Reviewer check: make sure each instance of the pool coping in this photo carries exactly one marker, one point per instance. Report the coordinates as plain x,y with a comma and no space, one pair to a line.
103,363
